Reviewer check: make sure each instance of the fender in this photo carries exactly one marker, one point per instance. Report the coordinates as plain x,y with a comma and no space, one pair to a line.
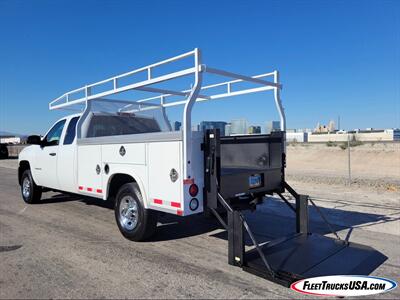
28,155
125,170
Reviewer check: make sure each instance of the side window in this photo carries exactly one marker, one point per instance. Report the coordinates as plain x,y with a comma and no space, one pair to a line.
53,136
71,131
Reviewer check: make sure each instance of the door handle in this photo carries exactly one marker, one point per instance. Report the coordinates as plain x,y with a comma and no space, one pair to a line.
52,154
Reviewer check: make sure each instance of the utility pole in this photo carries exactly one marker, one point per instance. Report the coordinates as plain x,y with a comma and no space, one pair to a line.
348,157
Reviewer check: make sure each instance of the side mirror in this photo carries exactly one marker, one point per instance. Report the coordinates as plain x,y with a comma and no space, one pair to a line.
34,140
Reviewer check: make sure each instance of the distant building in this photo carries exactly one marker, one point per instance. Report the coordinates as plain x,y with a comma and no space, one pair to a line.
324,128
296,137
195,127
177,125
254,129
239,126
204,125
228,129
342,136
5,139
272,126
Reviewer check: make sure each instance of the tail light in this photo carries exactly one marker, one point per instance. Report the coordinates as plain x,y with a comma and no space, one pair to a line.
193,190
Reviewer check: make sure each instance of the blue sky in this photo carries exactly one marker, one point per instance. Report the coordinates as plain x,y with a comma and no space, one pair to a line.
335,57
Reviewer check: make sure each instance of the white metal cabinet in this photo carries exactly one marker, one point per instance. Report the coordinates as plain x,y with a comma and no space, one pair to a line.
133,153
66,168
164,157
89,171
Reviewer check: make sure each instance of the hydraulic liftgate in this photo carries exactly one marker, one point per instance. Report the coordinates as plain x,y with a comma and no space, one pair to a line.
287,259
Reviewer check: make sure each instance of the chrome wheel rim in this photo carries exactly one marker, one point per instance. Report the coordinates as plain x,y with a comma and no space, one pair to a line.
26,187
128,213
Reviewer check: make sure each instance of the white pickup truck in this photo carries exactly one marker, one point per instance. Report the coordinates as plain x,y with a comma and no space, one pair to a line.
124,150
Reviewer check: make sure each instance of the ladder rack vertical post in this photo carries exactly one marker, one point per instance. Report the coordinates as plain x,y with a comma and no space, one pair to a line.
187,115
278,102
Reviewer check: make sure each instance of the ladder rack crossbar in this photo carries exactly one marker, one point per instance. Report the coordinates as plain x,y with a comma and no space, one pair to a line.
113,91
229,92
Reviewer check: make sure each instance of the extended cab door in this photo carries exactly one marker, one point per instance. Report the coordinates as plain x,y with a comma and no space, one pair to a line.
66,159
46,158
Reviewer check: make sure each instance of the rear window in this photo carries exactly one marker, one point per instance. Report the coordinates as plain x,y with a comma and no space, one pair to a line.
71,131
121,125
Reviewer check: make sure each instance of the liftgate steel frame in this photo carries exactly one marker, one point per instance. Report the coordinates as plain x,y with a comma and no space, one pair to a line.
236,224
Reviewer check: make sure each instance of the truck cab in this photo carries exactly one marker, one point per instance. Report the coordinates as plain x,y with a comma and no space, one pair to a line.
52,159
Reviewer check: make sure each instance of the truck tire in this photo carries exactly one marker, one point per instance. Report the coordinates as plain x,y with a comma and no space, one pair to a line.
134,221
31,193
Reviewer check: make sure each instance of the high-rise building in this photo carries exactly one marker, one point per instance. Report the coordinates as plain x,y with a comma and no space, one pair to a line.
239,126
213,125
177,126
254,129
272,126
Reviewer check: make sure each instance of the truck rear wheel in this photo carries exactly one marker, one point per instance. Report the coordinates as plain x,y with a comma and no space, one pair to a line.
31,193
134,221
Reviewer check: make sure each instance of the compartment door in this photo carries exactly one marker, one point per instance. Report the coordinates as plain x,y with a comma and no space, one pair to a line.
89,170
163,158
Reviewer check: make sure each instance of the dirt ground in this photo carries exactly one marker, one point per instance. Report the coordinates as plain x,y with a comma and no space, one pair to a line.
376,165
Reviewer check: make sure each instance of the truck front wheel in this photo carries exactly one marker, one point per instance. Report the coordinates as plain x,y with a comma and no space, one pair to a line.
134,221
31,193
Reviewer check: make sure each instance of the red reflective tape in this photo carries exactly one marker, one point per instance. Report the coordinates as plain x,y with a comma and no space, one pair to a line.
188,181
81,188
175,204
89,189
158,201
99,191
179,212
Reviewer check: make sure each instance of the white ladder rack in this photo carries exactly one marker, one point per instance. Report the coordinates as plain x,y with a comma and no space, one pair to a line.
75,96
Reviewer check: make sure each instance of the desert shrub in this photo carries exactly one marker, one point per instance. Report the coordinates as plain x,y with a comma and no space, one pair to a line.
355,143
331,144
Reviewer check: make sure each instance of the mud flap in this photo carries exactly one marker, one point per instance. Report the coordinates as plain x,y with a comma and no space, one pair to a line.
304,255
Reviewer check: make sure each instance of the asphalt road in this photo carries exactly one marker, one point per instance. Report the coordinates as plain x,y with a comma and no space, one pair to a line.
68,247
